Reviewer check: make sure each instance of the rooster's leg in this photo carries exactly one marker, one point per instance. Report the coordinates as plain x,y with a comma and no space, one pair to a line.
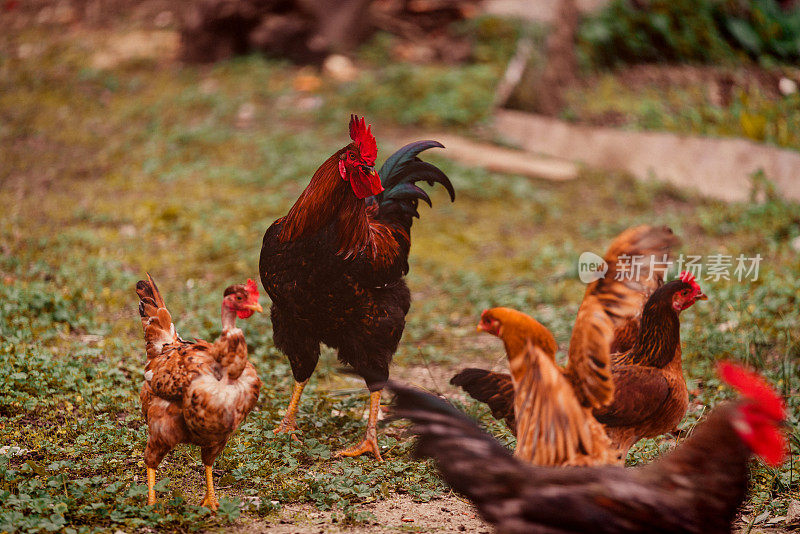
289,422
151,482
370,442
210,500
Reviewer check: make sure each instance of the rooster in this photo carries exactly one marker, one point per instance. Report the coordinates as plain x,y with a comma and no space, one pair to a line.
195,392
650,391
334,266
553,405
696,488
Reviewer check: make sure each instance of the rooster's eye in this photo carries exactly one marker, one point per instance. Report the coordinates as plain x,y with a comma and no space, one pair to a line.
350,155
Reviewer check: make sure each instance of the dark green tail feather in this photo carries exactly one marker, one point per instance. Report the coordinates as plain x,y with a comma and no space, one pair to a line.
401,171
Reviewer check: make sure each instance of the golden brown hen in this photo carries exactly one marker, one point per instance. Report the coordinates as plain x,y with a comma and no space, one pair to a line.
194,391
552,405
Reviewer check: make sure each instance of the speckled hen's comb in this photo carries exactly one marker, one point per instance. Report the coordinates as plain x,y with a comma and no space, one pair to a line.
362,136
252,289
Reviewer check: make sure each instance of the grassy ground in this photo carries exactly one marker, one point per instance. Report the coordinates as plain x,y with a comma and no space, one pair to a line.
178,170
712,101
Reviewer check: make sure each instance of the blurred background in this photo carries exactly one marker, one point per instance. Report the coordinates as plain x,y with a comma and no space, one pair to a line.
163,136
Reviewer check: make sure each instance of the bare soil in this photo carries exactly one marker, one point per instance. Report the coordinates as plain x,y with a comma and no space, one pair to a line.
400,513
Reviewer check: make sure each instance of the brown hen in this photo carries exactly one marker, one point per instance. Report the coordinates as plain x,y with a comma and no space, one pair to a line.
194,391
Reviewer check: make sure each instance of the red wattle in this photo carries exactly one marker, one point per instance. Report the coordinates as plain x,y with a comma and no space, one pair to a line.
244,314
366,186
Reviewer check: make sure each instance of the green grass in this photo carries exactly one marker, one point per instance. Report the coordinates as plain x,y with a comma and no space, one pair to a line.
145,167
688,108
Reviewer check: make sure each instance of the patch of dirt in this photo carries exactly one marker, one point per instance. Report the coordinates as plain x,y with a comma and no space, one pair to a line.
399,513
140,44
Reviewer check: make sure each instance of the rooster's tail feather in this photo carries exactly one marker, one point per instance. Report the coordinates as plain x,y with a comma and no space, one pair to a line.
399,174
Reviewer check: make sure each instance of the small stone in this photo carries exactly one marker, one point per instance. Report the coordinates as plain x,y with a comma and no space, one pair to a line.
26,50
796,244
127,230
787,86
793,513
163,19
63,13
245,115
340,68
309,103
209,86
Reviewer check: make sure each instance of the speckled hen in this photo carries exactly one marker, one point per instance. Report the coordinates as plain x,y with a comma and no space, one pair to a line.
194,391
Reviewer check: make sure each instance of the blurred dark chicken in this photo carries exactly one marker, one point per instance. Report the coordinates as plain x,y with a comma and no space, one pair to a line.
194,391
334,265
696,488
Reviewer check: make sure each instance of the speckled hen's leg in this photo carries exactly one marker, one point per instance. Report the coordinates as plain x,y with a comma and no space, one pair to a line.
151,482
370,441
289,422
154,452
210,500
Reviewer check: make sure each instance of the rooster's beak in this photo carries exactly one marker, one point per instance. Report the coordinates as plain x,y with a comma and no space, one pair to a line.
702,296
255,307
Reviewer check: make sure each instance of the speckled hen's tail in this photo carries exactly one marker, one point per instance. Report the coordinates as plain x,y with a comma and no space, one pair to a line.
156,319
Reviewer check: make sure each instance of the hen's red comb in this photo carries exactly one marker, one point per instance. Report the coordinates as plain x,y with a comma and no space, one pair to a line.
689,278
362,136
754,388
252,288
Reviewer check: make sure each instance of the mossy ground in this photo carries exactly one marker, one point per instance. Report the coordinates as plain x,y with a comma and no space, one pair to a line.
178,170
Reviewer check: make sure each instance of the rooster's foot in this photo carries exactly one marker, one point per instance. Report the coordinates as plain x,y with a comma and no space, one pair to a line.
287,426
370,444
210,502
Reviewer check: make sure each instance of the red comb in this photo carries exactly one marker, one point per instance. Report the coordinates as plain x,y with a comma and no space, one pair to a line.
362,136
754,388
252,288
689,278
